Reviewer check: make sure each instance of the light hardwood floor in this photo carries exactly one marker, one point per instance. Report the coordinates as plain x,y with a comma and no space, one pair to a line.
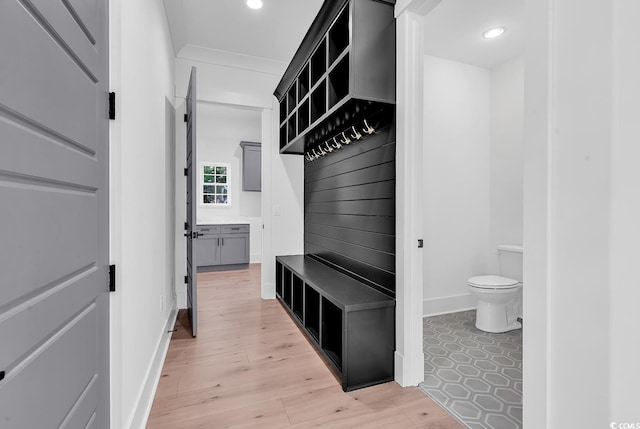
251,367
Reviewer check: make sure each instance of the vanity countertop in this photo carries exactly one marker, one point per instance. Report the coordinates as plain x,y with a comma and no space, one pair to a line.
222,221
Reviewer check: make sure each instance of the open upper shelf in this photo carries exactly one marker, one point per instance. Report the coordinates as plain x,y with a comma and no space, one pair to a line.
345,62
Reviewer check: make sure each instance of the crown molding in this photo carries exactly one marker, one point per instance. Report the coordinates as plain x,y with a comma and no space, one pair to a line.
231,59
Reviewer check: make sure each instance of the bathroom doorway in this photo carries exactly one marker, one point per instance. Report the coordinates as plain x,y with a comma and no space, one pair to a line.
473,193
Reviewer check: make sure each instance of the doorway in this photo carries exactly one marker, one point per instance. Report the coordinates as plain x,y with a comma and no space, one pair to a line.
473,191
220,130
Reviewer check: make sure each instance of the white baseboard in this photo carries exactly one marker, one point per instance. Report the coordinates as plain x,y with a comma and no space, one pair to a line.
268,291
448,304
181,299
404,375
145,401
255,258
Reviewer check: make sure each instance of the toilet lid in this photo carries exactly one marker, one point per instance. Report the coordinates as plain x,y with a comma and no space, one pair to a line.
492,282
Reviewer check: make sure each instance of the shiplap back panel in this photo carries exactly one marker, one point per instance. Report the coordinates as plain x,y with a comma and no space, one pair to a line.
350,210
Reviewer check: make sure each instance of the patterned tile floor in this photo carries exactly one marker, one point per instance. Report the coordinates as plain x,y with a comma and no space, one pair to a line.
475,375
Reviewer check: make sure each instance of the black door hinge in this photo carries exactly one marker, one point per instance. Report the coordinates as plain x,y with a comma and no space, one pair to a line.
420,243
112,105
1,375
185,117
186,226
186,279
112,278
186,171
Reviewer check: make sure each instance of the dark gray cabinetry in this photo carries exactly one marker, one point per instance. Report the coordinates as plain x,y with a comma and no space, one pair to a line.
350,323
251,166
222,246
234,244
342,73
208,244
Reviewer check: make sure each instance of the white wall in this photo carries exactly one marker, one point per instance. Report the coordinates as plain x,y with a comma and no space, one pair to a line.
625,212
283,201
142,75
248,84
581,208
456,175
245,82
221,128
577,218
581,212
507,163
473,174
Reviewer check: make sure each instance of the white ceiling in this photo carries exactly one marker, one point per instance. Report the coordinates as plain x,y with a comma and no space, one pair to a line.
273,32
453,30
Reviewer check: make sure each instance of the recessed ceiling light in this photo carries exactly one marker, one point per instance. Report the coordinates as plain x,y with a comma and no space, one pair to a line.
493,33
254,4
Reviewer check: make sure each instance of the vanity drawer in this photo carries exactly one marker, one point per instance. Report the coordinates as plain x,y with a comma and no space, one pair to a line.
208,229
235,229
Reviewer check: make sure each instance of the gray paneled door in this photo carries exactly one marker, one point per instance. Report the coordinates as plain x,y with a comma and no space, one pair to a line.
54,238
192,182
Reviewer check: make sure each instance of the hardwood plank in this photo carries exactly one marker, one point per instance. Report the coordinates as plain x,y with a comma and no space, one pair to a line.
279,349
250,366
259,415
168,388
228,397
319,403
361,417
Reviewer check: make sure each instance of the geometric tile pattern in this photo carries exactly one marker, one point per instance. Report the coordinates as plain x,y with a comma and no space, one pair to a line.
476,376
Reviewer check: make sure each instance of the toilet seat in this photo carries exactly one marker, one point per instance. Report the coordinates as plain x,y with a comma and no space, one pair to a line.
492,282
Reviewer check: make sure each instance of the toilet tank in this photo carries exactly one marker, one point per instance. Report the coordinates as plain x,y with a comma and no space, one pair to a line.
510,260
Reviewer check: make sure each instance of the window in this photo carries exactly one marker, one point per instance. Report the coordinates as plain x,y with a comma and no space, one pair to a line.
215,184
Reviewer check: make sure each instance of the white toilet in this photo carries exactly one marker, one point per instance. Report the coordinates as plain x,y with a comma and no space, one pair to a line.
500,298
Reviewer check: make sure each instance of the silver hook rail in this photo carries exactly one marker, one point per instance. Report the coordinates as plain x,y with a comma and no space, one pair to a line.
340,140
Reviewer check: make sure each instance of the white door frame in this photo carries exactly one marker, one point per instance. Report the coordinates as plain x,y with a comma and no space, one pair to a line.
409,356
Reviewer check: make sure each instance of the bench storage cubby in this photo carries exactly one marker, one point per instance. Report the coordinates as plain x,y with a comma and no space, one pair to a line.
350,323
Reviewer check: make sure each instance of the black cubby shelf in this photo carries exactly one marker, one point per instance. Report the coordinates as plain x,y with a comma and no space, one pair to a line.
347,57
349,323
286,286
297,302
279,279
312,312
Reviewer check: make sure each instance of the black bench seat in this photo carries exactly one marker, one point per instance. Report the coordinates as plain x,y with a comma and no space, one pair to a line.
350,323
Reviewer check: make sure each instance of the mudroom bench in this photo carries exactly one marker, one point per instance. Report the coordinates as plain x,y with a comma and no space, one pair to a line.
350,323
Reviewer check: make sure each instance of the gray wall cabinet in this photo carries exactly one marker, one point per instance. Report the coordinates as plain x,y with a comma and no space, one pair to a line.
222,246
251,166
